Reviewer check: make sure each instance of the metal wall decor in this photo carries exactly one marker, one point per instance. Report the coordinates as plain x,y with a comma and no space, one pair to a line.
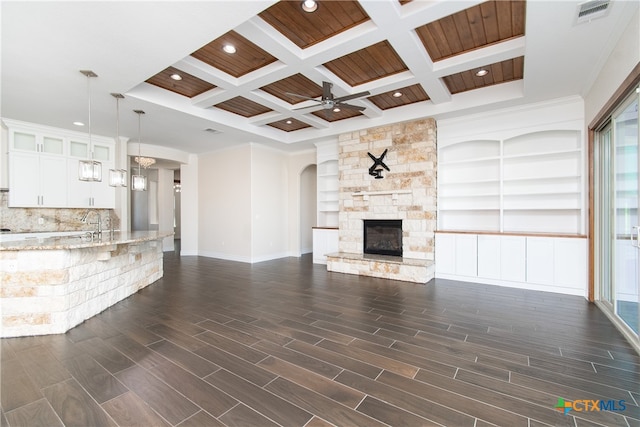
378,165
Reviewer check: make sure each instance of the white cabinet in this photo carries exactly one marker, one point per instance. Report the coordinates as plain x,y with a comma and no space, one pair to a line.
85,193
457,254
325,241
502,257
37,180
37,169
43,167
554,264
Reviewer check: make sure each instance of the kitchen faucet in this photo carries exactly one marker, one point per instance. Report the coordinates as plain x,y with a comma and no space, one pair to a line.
98,223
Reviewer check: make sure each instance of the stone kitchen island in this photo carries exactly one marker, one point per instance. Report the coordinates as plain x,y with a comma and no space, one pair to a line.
50,285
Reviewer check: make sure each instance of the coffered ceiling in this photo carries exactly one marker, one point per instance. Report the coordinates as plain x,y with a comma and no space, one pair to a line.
389,60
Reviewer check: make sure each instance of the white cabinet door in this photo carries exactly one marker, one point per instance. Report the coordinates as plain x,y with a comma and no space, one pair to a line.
53,181
85,194
37,180
467,254
24,179
446,253
570,266
513,258
489,256
325,241
540,258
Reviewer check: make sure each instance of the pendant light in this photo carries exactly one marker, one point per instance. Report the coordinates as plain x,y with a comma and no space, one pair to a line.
139,181
89,170
117,177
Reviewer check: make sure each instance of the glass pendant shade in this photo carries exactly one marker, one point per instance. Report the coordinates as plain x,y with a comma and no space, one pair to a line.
117,177
138,182
89,170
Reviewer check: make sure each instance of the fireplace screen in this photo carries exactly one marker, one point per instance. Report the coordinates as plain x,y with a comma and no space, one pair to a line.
383,237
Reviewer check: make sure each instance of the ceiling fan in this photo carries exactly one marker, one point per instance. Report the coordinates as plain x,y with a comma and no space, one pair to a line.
329,103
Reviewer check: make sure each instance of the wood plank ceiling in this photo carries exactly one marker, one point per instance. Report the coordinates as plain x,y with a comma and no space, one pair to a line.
460,33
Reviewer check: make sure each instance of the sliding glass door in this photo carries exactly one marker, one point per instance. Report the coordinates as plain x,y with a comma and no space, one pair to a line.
617,224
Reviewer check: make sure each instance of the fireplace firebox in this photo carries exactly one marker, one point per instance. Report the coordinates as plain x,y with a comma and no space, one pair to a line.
383,237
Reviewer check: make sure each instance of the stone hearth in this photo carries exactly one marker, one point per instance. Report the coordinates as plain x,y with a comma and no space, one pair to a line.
407,192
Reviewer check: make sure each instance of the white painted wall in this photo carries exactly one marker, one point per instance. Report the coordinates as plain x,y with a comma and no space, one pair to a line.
224,209
190,206
297,163
623,58
269,199
165,206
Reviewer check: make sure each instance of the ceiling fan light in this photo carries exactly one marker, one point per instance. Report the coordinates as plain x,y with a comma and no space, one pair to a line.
229,48
309,6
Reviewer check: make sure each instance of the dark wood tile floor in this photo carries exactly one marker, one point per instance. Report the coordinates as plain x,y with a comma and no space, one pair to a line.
286,343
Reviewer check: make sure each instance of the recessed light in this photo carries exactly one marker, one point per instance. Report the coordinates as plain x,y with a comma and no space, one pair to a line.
78,123
309,6
397,94
229,48
336,109
482,72
176,76
289,122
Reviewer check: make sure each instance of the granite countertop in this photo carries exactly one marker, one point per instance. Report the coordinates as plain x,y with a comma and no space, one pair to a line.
81,240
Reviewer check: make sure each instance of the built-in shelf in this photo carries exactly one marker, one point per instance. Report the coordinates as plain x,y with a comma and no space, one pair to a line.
528,183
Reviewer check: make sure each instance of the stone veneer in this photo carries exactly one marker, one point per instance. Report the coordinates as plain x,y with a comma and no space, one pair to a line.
51,291
22,220
407,192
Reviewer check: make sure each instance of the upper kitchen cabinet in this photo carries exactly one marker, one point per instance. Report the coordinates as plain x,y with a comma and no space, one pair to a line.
84,194
43,167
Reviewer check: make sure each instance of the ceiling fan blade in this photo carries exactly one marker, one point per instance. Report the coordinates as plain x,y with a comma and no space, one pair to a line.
351,107
326,90
302,96
308,107
355,95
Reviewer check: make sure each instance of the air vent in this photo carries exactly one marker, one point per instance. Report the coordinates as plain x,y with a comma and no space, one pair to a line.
211,130
592,10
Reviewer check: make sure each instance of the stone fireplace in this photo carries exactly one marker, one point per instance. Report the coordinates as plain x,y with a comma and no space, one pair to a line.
406,192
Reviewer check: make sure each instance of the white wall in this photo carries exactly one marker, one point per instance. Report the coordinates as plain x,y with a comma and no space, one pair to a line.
190,206
623,58
224,210
297,163
269,198
165,206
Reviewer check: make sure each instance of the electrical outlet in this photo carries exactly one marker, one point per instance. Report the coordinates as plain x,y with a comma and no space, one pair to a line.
40,221
12,266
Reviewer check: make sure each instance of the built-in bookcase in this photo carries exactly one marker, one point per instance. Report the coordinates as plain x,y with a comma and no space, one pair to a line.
327,170
528,183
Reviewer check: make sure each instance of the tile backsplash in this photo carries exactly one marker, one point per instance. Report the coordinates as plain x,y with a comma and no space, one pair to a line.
22,220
